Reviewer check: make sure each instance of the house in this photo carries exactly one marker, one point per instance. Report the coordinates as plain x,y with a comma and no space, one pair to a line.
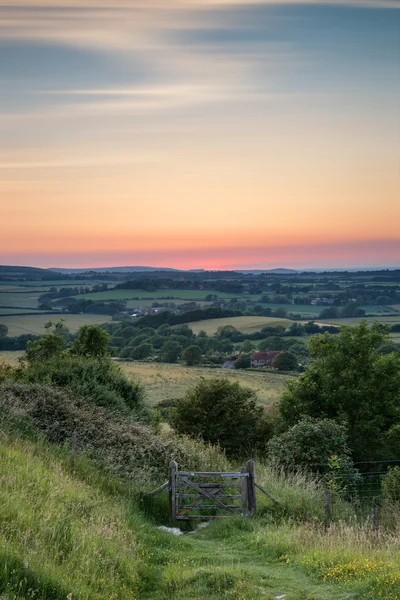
230,364
263,359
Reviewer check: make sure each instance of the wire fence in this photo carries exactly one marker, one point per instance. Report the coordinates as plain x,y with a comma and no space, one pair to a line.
362,494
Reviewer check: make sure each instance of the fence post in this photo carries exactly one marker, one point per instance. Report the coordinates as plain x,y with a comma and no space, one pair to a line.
375,518
173,468
251,488
243,483
73,449
328,515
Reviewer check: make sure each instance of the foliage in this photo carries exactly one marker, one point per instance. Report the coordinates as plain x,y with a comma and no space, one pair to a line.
192,355
171,352
3,330
223,413
309,445
391,486
285,361
98,379
144,350
348,381
243,362
49,345
91,341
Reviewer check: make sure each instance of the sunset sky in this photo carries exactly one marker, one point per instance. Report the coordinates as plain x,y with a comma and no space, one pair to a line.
200,133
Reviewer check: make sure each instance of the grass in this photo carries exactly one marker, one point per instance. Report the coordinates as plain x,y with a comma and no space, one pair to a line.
67,534
388,319
165,381
243,324
17,325
10,356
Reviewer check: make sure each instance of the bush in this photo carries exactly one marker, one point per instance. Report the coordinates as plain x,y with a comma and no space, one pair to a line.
99,380
391,486
309,445
120,447
223,413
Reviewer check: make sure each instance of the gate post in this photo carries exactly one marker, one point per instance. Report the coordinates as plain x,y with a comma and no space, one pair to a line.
251,487
173,468
243,483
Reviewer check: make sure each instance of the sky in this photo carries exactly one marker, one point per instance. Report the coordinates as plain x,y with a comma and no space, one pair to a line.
200,133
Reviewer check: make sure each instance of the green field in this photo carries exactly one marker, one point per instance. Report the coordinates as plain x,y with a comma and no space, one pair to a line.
17,325
19,311
156,295
243,324
165,381
388,319
20,299
145,303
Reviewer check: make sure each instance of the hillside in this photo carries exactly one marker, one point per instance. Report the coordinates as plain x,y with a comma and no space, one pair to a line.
69,534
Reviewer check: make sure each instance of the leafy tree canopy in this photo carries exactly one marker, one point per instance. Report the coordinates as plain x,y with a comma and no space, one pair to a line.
349,381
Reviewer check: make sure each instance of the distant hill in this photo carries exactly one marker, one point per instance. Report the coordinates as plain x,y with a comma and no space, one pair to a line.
277,271
111,270
10,273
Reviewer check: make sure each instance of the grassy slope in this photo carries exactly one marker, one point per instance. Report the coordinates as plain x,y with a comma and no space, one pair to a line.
243,324
64,535
127,294
17,325
165,381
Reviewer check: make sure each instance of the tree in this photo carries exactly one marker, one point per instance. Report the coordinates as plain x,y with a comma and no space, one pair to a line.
3,330
243,362
347,380
192,355
223,413
49,345
171,352
144,350
329,313
247,346
285,361
91,341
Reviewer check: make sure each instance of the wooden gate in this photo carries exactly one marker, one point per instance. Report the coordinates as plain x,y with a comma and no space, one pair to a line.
200,495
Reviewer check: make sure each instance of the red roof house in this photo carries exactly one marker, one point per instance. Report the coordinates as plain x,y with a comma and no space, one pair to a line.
263,359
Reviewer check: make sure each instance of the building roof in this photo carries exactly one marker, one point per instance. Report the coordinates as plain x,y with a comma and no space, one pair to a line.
268,355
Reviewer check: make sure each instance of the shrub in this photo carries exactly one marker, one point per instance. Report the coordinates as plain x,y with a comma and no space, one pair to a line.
391,486
309,445
223,413
99,380
243,362
118,445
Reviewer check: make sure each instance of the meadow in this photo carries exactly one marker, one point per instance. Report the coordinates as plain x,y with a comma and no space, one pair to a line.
21,324
243,324
20,299
168,381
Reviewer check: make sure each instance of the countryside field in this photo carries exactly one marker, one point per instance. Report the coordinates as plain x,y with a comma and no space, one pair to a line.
157,294
243,324
167,381
18,325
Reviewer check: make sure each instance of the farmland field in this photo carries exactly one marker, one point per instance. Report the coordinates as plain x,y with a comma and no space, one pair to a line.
165,381
388,319
144,303
17,325
20,311
10,358
20,299
156,295
243,324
